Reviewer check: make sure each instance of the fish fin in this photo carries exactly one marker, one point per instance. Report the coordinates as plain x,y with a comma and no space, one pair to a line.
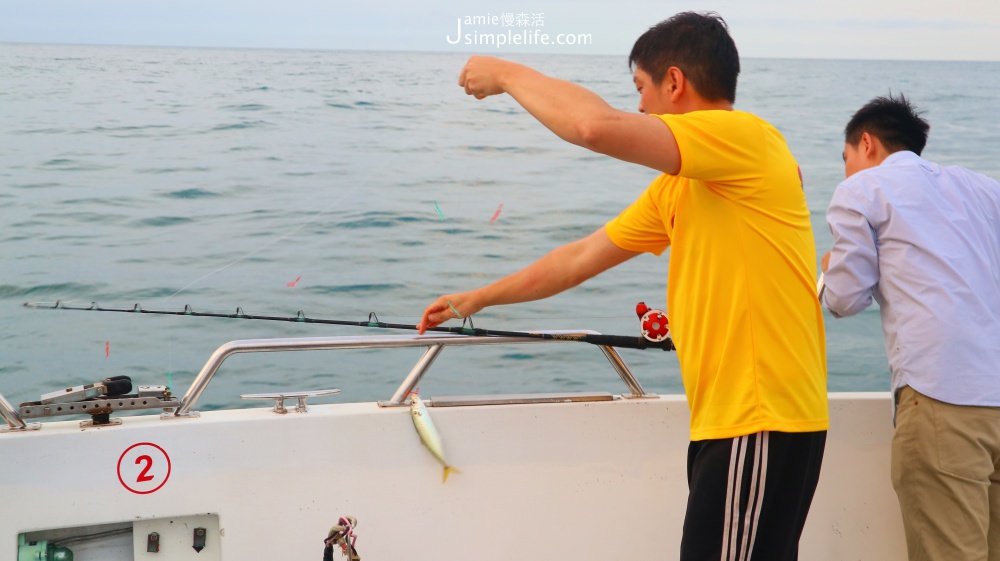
448,470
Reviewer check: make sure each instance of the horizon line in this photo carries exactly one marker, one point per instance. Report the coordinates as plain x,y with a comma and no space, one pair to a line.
493,52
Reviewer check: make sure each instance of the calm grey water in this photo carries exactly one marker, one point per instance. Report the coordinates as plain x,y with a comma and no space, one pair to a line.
214,178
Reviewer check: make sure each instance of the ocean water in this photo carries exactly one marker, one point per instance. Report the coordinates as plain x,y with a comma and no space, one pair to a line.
218,178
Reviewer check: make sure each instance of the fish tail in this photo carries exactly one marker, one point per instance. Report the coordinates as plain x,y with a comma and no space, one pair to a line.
448,470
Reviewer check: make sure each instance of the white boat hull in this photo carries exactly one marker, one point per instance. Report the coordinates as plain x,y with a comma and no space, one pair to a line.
576,481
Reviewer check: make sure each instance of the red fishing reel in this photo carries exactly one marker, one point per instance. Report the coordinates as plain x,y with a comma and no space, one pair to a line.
653,323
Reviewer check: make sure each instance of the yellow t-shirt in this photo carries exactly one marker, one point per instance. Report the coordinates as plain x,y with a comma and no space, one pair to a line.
741,288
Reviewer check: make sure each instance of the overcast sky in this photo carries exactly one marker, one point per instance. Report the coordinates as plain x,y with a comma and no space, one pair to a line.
856,29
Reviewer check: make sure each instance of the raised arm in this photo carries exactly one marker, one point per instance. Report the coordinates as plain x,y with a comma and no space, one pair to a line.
560,269
575,114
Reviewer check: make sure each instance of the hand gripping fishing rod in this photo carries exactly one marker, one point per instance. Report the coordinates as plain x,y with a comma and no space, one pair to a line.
467,328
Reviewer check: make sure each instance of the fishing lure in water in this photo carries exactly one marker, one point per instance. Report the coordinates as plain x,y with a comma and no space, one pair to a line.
428,434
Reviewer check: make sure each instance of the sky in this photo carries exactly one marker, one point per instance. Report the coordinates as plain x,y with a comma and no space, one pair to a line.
840,29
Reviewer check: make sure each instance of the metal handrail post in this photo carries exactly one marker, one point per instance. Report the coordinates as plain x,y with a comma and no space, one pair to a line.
13,418
624,372
416,373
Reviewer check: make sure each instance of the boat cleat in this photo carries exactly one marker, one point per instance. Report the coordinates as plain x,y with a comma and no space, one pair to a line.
280,397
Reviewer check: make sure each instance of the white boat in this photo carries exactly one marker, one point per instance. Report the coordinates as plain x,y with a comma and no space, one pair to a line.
573,476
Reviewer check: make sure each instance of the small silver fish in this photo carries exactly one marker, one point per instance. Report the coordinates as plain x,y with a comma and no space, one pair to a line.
428,434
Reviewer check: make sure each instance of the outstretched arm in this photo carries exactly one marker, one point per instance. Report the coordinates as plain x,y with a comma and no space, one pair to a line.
575,114
560,269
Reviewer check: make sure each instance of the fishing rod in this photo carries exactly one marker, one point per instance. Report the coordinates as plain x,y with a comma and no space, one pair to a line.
466,329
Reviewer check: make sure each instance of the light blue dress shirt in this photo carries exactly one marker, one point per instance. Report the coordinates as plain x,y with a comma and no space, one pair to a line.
923,240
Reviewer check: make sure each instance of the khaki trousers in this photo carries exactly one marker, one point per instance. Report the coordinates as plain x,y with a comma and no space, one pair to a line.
945,461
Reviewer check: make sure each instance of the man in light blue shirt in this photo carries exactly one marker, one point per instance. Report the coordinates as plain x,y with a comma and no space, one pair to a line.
923,240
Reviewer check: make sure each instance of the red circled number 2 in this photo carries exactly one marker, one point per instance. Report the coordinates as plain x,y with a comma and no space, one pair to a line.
144,468
144,474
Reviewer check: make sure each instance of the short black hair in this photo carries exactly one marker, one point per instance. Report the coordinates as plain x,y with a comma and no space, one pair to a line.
893,120
697,43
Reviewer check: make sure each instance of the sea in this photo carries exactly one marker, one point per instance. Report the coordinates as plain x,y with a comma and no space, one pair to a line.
343,184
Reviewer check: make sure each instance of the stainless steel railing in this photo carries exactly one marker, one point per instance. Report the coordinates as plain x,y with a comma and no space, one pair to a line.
434,343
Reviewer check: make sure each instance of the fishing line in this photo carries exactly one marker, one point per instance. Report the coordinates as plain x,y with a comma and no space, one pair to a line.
256,251
171,341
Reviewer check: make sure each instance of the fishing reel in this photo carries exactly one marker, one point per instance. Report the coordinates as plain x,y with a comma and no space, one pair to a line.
653,323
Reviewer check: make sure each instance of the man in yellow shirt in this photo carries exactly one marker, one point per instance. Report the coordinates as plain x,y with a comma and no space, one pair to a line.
740,288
